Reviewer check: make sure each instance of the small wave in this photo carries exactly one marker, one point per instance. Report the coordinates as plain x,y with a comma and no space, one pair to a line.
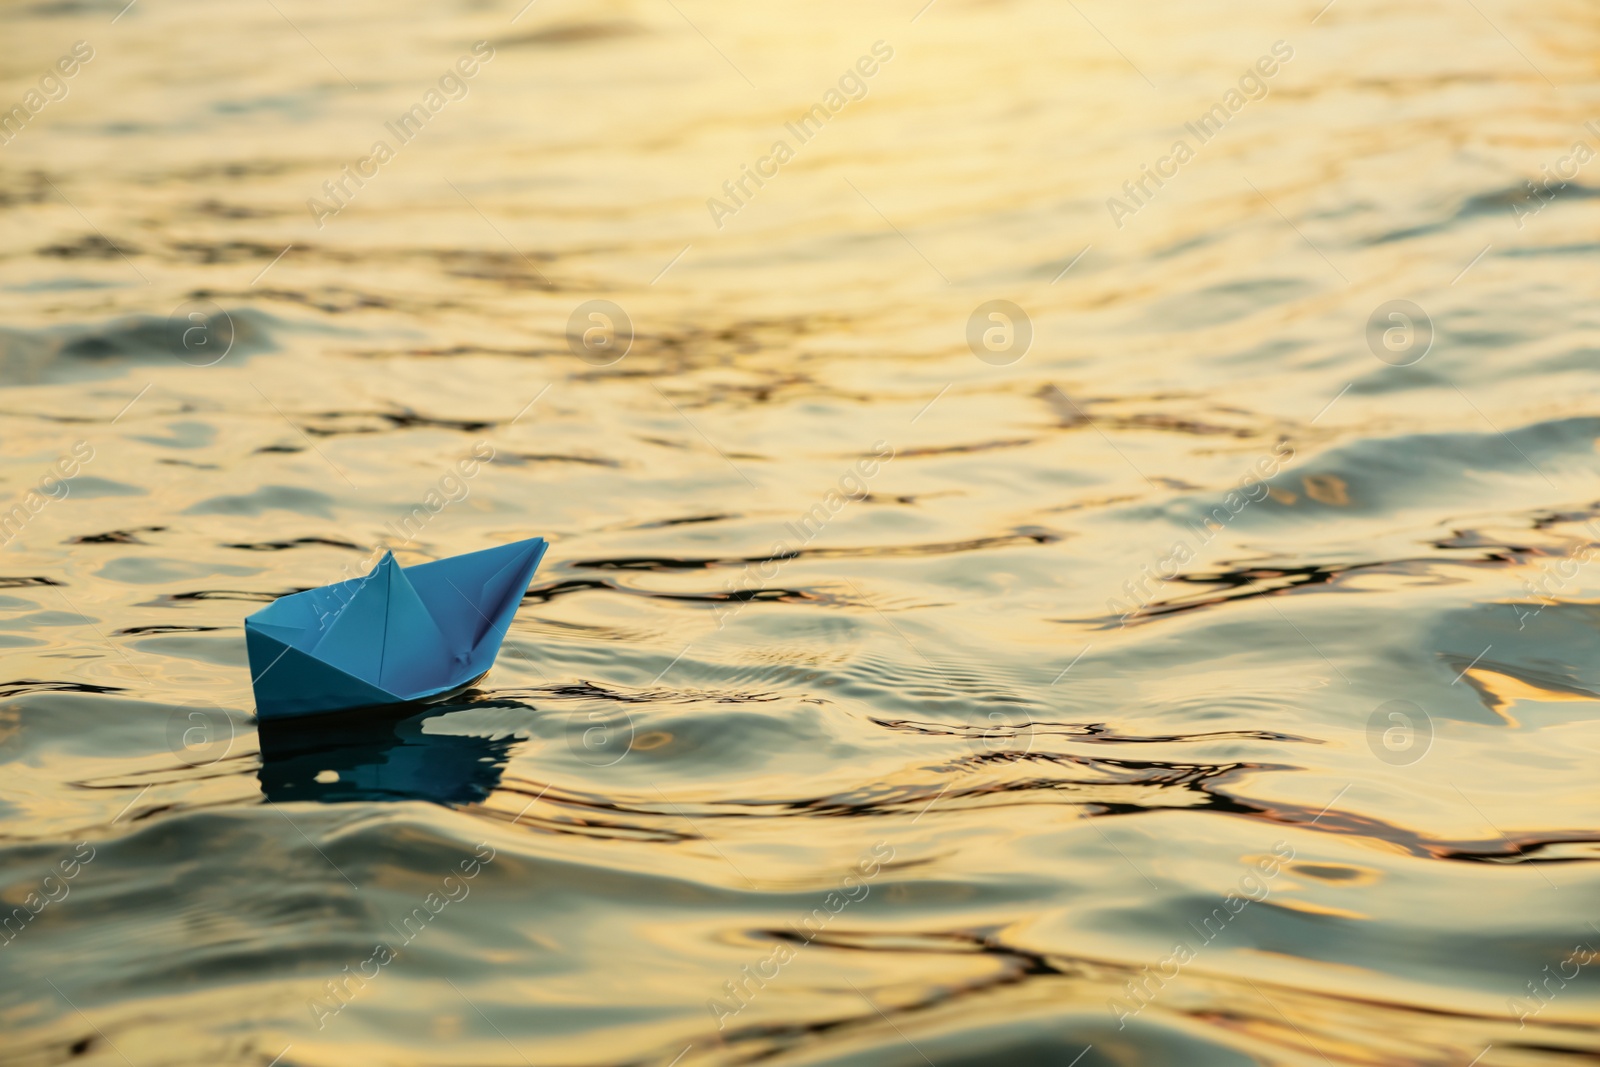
75,353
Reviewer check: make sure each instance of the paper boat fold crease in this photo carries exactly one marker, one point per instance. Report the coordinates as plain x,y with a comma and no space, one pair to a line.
396,635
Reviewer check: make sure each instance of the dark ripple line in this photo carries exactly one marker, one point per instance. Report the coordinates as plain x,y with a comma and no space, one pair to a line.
1200,781
1088,733
1018,966
1256,582
1024,535
25,686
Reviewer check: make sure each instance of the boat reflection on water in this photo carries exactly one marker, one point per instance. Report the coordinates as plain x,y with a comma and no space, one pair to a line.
383,754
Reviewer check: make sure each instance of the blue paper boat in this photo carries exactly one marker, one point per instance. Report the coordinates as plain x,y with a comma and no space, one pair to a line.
396,635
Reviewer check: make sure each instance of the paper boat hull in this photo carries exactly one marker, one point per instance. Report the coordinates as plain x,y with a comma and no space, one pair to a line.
396,635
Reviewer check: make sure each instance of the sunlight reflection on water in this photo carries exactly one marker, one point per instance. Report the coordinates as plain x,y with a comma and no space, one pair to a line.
1069,459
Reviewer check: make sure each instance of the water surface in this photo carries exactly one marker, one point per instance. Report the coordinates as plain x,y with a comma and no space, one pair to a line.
1193,686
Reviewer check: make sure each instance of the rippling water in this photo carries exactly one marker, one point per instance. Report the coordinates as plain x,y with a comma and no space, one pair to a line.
1193,664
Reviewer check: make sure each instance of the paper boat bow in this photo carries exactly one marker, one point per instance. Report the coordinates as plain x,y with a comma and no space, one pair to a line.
398,634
